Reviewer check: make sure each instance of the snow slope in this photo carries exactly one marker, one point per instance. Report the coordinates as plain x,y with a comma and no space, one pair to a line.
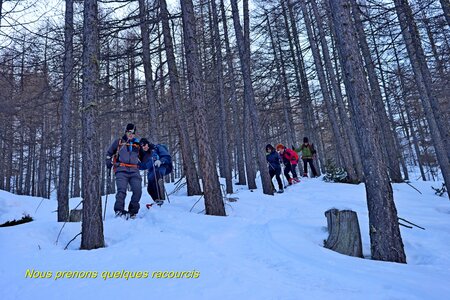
269,247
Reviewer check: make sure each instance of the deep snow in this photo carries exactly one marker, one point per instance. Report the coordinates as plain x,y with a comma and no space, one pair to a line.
268,247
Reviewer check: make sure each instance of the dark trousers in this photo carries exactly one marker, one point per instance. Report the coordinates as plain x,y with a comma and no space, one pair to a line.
290,168
122,181
311,165
276,173
153,188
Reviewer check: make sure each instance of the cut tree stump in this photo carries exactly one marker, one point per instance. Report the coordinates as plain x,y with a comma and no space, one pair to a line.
344,234
75,215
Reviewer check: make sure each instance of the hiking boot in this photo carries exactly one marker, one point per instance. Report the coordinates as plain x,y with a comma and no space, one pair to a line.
159,202
305,174
290,180
133,216
280,191
296,179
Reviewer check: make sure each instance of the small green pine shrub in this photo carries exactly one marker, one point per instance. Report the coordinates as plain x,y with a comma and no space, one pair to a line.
440,191
25,219
335,174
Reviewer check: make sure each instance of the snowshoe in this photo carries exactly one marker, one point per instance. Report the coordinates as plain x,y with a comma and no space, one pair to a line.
122,214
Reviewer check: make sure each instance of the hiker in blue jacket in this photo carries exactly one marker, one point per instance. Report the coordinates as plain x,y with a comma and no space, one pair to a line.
157,160
273,161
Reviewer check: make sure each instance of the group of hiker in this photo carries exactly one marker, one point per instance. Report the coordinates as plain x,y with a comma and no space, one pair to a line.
128,156
289,158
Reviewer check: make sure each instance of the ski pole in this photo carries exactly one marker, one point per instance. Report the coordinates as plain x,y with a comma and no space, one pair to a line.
108,185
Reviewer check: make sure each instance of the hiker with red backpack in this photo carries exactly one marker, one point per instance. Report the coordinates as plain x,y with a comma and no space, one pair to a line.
157,160
123,156
290,161
308,154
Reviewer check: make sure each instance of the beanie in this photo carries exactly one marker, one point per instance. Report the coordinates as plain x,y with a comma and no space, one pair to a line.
144,141
269,147
131,127
305,140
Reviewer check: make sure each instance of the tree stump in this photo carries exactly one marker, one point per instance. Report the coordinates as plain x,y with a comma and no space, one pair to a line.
75,215
344,234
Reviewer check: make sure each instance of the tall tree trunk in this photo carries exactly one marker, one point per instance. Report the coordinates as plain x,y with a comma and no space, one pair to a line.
149,82
337,137
305,96
64,163
189,169
335,85
244,56
221,97
437,118
92,225
239,156
446,8
385,239
391,153
276,47
438,61
211,186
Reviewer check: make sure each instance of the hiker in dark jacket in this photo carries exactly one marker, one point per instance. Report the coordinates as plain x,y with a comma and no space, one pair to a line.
273,160
123,155
308,154
290,161
157,160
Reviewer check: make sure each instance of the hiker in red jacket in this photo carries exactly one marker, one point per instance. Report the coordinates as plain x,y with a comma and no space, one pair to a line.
290,161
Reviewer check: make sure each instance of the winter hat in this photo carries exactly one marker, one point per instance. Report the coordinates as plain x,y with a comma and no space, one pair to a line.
131,127
280,146
305,140
269,147
144,141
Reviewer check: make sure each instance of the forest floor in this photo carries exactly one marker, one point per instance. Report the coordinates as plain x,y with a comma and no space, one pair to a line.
268,247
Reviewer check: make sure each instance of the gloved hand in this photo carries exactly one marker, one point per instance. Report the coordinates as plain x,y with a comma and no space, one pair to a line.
157,163
109,163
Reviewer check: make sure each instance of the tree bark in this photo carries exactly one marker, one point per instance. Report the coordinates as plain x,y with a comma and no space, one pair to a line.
276,48
305,95
64,163
239,156
221,96
189,169
92,226
350,135
344,233
437,119
385,239
445,4
211,186
244,56
337,138
391,153
149,82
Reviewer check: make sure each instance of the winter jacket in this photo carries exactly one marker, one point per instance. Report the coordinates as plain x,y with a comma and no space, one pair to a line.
289,156
128,154
157,152
273,158
307,151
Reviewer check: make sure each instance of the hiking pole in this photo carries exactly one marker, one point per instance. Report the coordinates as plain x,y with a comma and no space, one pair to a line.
282,171
108,185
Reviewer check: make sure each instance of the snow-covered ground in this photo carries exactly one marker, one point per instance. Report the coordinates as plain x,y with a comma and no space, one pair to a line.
269,247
